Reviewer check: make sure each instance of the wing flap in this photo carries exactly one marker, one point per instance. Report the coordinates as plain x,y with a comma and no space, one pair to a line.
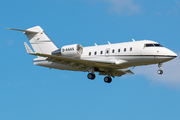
113,73
127,71
118,72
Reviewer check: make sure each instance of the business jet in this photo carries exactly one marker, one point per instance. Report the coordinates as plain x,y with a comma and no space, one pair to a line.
110,60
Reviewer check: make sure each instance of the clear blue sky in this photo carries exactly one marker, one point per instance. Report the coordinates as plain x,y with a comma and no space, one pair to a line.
29,92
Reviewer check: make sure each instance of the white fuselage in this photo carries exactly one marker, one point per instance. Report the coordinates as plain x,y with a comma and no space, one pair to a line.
121,55
134,53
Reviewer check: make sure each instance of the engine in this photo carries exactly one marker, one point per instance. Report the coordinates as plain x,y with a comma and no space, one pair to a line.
74,50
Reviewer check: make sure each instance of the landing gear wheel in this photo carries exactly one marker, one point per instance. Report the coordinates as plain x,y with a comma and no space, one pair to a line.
108,79
160,72
91,76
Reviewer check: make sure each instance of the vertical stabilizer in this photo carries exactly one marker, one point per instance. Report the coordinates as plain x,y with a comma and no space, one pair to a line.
40,42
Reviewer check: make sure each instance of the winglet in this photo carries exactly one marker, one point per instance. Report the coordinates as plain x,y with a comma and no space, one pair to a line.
28,49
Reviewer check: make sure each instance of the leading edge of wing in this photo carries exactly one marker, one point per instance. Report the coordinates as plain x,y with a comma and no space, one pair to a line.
70,59
76,60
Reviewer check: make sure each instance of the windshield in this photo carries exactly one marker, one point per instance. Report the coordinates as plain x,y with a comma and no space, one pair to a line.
158,45
153,45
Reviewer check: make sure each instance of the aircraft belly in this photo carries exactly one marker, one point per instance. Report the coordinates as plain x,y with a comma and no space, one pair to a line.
137,60
144,60
163,58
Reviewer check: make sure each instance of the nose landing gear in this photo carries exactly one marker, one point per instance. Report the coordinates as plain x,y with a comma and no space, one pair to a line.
160,71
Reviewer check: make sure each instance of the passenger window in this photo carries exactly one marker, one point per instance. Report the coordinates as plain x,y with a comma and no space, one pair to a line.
119,50
113,51
131,49
107,51
95,53
124,49
101,52
89,53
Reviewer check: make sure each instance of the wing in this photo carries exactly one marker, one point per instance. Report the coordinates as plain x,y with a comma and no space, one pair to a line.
103,67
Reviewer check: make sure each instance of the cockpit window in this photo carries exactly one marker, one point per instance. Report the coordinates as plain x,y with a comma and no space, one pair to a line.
153,45
149,45
158,45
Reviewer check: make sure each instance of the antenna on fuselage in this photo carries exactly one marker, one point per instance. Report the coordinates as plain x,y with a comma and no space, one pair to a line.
108,42
133,40
95,44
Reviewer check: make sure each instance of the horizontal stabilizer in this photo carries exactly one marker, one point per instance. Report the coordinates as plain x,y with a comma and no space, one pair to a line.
27,31
28,49
39,41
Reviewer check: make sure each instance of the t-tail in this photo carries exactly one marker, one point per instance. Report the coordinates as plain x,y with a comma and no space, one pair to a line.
39,41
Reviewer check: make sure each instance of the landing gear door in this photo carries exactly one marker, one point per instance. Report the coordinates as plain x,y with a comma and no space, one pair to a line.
107,52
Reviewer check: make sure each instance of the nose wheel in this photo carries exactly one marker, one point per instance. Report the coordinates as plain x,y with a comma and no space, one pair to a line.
160,71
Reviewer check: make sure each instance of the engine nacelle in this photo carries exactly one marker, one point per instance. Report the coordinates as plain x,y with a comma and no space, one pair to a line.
74,50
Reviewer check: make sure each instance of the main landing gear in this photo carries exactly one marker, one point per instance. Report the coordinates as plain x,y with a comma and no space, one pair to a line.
107,79
91,76
160,71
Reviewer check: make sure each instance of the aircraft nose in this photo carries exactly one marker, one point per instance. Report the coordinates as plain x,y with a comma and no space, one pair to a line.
173,54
